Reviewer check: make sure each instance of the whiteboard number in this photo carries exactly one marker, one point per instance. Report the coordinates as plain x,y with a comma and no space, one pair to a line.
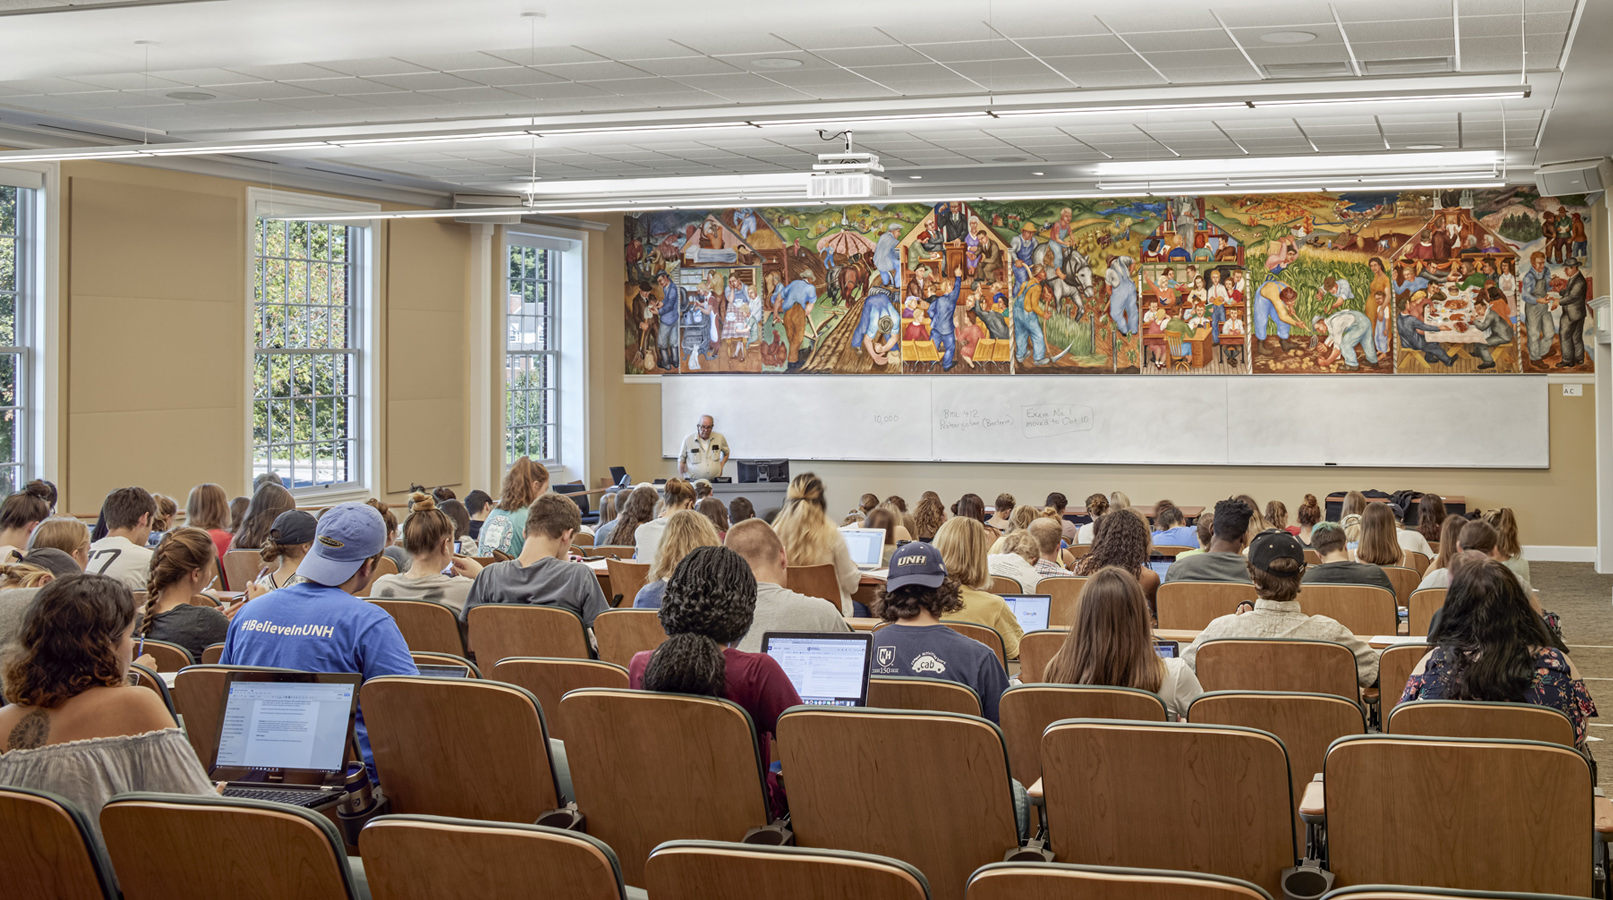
886,420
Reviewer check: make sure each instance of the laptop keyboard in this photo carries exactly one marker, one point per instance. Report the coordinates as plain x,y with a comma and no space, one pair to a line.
293,798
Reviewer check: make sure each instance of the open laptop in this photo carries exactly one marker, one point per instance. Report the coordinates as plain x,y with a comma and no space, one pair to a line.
866,546
1167,649
1030,609
284,736
827,669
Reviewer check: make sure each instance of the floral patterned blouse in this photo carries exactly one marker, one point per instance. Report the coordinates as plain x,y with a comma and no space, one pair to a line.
1553,685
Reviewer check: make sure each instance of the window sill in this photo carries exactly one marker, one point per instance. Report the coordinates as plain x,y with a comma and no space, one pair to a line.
307,497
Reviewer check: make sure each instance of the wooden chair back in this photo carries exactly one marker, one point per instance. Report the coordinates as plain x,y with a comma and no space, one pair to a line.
212,653
1312,558
1036,649
613,551
1104,782
1080,550
501,630
1480,720
51,852
1416,560
627,578
1277,664
624,745
141,676
170,657
923,695
1362,608
1395,665
621,633
1307,724
985,634
814,581
1065,591
428,858
460,747
383,567
241,567
887,803
1055,881
1421,607
550,679
170,846
1171,551
1191,605
709,870
422,658
1002,584
198,695
427,626
1469,798
1026,710
1405,581
582,539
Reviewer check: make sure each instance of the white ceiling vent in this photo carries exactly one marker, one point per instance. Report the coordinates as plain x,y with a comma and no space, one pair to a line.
1308,70
1415,65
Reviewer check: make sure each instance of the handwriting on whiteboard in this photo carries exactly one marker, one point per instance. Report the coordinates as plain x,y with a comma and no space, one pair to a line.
974,419
1050,419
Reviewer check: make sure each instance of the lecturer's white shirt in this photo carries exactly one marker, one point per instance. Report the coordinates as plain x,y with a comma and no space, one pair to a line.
704,457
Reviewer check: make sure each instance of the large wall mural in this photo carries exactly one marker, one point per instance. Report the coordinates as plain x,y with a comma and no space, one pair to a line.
1413,282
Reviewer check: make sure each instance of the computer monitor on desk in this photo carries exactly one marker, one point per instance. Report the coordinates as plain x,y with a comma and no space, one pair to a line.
763,470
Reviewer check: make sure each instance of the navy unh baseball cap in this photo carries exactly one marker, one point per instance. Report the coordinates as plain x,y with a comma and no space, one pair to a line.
348,534
916,563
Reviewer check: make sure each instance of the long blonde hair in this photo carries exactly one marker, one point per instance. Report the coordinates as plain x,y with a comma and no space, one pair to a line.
517,491
803,526
1379,545
64,533
1355,505
963,543
686,529
1112,642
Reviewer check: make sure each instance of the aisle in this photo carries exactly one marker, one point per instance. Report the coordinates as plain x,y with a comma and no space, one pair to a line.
1584,600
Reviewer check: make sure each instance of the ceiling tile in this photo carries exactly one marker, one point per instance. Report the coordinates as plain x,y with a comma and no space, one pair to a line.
594,71
1203,39
838,38
508,75
1072,46
716,44
689,65
971,51
856,57
658,48
269,90
423,81
366,67
559,91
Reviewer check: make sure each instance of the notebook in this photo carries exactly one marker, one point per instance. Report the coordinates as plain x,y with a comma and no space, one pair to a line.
828,669
1030,609
284,736
866,546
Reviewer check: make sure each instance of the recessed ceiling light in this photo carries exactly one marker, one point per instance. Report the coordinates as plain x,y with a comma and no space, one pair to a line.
191,95
1425,146
534,14
1008,159
777,62
146,43
1037,174
1288,37
916,177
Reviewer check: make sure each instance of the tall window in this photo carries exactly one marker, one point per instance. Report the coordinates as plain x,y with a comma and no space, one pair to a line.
306,374
531,355
18,231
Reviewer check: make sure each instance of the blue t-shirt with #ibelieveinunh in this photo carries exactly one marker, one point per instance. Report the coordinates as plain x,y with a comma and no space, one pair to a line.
313,628
936,651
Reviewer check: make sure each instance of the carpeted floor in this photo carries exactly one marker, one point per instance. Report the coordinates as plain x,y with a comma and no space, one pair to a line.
1584,600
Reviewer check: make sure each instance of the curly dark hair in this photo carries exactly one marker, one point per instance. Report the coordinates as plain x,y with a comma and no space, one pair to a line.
69,641
928,517
1119,538
907,602
709,603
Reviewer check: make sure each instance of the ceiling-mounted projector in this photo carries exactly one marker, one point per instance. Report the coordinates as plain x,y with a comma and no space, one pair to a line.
847,176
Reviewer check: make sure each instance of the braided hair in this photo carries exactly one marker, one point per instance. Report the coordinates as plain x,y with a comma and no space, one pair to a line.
710,602
183,551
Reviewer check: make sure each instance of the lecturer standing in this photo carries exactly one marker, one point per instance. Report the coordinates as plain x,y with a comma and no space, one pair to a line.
704,453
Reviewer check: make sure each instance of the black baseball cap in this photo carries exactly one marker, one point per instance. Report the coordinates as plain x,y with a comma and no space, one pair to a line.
1274,545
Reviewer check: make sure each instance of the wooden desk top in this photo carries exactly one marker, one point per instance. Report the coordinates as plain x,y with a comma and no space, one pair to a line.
1191,512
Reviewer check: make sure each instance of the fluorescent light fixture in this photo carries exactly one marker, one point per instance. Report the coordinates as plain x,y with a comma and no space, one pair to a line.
1519,93
1297,165
220,149
406,140
854,119
68,154
632,129
1098,110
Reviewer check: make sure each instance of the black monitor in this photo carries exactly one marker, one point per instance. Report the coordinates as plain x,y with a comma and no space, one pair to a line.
753,471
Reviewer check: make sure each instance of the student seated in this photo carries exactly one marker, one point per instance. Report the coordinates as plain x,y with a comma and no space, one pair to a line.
1276,565
480,505
542,575
1058,503
1327,539
918,594
283,550
1097,505
1476,535
1171,528
963,542
208,508
1001,511
437,574
182,567
1014,522
1310,513
709,605
777,608
1017,560
1506,541
320,624
1489,644
268,501
504,528
75,726
1121,539
1048,535
1450,539
638,509
123,553
1380,542
66,534
647,538
1112,644
810,539
685,530
1223,560
886,521
20,514
455,510
46,565
1203,529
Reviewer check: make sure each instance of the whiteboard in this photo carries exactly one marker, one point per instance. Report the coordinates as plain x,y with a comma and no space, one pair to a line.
1356,420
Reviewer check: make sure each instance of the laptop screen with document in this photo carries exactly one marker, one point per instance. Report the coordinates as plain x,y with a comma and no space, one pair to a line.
866,546
289,725
828,669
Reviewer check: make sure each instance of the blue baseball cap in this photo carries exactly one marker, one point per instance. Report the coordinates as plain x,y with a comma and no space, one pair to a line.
348,534
916,563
